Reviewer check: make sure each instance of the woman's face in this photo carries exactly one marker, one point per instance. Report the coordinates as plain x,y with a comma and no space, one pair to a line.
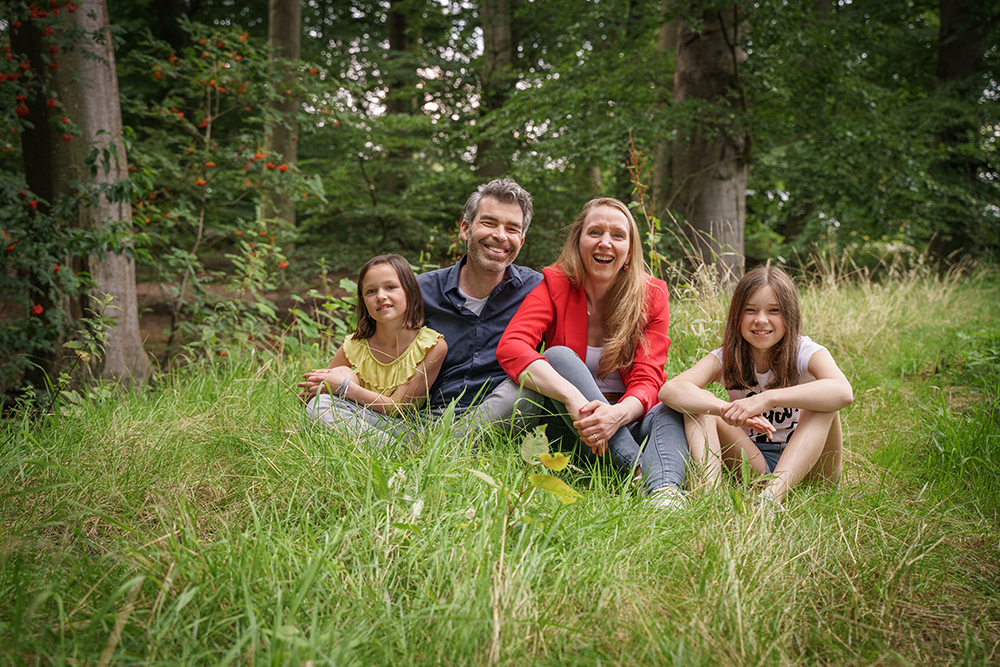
604,243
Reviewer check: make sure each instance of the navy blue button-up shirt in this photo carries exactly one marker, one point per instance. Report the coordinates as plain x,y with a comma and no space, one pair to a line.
470,371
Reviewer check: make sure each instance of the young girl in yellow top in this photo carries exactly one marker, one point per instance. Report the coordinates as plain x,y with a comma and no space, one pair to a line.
785,393
387,364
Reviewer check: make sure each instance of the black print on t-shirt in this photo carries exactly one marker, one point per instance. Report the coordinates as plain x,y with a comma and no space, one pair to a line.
778,418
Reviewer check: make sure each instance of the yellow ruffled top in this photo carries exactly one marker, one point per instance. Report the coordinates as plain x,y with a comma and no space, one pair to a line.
386,378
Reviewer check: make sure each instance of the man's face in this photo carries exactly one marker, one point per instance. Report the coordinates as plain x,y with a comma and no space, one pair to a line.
494,237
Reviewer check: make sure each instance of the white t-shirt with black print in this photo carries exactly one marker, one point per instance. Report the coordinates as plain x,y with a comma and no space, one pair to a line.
784,420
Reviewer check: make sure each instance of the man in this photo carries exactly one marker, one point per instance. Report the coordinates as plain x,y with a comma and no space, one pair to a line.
472,302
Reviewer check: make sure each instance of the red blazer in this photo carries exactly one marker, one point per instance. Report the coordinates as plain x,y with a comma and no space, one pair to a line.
555,312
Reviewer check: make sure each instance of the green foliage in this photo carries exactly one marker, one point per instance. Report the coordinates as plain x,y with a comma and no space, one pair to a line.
963,457
845,114
200,114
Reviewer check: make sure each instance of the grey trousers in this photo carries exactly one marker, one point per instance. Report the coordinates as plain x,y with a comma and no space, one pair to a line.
665,454
509,406
357,423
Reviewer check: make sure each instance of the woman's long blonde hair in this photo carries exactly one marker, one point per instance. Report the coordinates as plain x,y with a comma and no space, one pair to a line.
625,303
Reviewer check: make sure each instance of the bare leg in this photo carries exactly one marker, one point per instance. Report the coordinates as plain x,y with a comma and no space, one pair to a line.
815,450
737,443
703,443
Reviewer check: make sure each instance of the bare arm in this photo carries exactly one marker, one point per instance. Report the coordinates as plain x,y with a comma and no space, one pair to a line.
540,376
330,380
830,392
314,381
686,393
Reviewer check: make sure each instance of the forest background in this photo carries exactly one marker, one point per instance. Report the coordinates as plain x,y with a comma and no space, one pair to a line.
195,519
762,130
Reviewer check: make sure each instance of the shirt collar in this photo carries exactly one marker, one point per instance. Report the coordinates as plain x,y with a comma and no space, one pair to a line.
514,273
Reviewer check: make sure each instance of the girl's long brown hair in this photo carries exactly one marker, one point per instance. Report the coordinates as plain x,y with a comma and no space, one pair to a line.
414,316
625,304
737,362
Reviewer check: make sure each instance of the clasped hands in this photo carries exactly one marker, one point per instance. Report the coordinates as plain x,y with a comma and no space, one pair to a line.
596,422
328,379
748,413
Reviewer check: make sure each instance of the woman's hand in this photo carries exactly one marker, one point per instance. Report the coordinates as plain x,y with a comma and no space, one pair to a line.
597,421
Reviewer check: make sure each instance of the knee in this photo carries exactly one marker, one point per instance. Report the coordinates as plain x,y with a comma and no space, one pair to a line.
319,408
560,355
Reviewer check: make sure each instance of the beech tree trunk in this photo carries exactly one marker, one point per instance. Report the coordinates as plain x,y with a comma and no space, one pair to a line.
87,83
284,34
495,77
704,175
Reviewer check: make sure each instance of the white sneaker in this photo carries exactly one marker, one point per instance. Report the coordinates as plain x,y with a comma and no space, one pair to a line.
668,498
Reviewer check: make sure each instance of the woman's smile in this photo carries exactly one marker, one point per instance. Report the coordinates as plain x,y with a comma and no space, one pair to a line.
604,242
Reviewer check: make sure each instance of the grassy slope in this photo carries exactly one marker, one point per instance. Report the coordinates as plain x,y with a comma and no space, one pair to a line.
196,523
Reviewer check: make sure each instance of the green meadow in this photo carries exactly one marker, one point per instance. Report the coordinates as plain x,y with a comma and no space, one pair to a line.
202,521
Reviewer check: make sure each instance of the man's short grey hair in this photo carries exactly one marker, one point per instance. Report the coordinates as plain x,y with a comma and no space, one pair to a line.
506,191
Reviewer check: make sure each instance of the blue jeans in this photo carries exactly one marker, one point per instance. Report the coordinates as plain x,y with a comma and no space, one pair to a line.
665,454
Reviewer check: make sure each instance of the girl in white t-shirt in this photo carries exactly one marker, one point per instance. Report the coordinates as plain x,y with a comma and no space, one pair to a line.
785,393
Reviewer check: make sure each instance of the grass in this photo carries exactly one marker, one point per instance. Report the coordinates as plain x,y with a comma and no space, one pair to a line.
199,523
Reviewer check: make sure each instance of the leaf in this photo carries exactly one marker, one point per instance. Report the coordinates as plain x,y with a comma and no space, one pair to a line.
486,478
381,484
557,461
566,494
407,526
534,444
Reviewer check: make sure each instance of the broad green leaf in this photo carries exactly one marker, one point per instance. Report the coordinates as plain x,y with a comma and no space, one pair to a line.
534,444
407,526
381,483
486,478
564,492
557,461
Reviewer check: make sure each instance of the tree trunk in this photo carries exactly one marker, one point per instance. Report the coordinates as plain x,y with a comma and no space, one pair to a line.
704,179
666,41
399,102
87,84
495,77
284,34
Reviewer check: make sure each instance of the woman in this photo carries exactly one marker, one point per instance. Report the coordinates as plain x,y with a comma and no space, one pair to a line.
603,319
